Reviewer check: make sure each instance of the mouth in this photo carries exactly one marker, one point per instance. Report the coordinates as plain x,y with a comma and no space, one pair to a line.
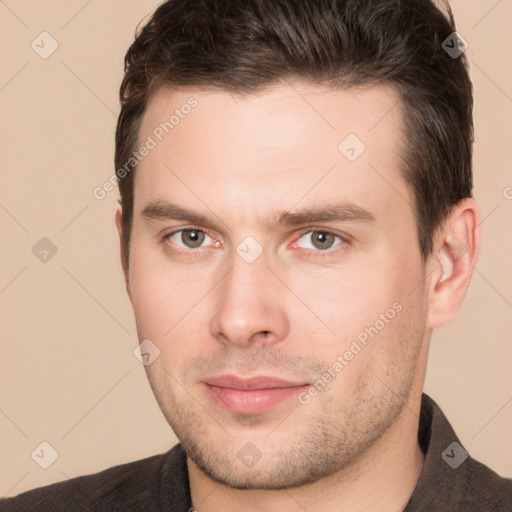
253,395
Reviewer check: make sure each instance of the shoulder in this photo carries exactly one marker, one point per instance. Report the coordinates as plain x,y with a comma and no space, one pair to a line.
133,485
451,480
485,488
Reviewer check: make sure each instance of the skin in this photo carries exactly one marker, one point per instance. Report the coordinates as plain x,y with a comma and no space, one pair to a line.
242,161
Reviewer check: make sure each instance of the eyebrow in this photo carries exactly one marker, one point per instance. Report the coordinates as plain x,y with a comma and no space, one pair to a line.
346,212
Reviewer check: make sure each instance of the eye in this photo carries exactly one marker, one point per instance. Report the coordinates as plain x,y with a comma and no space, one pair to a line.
320,240
188,238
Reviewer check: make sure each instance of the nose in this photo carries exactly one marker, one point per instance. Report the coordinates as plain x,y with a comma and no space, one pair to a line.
249,306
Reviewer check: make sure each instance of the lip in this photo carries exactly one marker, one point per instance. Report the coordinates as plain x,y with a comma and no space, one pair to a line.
253,395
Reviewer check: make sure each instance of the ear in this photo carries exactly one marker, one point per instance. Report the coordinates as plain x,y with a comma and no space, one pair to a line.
124,259
452,261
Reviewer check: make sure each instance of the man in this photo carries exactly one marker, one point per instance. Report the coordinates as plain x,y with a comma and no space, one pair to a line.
296,217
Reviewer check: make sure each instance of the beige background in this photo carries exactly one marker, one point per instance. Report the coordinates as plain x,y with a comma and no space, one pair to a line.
68,373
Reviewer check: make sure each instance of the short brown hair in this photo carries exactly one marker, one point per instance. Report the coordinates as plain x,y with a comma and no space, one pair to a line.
243,46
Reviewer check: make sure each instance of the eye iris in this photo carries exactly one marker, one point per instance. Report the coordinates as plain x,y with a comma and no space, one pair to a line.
192,238
322,240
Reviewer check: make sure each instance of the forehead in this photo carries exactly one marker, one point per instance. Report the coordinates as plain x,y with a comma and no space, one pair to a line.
292,142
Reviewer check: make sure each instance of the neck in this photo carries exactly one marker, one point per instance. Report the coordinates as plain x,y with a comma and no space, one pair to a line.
383,478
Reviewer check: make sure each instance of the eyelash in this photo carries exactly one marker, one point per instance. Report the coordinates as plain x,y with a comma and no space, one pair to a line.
345,240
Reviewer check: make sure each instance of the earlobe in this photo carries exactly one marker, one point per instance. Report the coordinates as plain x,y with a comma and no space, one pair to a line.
452,262
124,260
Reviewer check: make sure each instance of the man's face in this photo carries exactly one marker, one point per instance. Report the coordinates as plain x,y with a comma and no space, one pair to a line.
256,288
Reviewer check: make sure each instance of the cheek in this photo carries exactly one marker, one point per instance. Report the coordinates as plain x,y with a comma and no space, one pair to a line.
344,297
152,299
162,294
351,298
